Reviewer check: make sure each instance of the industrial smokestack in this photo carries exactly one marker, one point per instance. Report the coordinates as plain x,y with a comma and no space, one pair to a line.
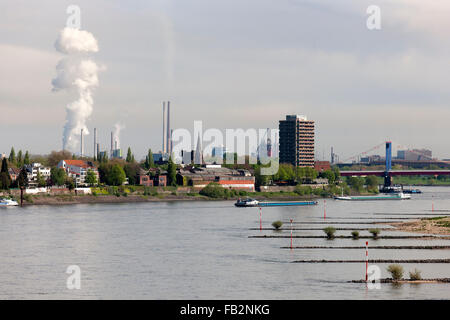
168,128
98,150
112,145
81,143
95,144
269,144
164,129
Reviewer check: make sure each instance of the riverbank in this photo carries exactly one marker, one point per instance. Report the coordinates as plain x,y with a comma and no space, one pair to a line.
437,225
70,199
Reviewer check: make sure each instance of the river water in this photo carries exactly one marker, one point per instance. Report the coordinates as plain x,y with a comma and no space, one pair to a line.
202,250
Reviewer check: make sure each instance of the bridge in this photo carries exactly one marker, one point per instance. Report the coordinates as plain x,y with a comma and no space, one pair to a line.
388,173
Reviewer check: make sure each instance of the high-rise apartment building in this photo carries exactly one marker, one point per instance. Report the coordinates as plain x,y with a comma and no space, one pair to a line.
296,144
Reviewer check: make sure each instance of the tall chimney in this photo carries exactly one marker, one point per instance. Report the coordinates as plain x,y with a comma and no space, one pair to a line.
98,150
112,145
168,129
95,143
81,140
164,129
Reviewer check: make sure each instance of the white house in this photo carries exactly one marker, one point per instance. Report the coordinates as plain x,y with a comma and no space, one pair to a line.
33,170
77,170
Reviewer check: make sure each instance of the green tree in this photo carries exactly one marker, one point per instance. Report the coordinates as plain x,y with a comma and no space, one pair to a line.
5,179
58,176
129,155
329,175
117,176
4,165
356,183
26,159
371,182
19,159
171,173
12,156
310,174
56,156
260,179
40,180
70,183
336,172
104,169
22,179
149,162
132,171
91,177
213,190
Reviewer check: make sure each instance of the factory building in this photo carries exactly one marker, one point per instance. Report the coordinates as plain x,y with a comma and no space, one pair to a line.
415,155
200,177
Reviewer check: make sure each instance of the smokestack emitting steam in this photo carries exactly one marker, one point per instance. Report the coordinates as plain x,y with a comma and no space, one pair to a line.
76,72
117,128
112,145
168,129
94,155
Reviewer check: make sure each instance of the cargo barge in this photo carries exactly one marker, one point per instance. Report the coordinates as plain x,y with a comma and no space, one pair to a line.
256,203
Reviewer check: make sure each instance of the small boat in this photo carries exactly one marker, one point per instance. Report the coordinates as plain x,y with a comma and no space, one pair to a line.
247,203
5,202
388,196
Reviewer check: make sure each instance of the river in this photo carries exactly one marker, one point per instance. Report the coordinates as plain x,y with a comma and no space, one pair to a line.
202,250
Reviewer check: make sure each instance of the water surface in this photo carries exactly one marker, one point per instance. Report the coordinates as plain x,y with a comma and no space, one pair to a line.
201,250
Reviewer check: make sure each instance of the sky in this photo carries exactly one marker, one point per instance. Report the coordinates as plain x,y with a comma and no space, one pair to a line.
234,64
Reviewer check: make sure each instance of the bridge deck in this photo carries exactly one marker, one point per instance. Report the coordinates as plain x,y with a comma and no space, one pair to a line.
395,173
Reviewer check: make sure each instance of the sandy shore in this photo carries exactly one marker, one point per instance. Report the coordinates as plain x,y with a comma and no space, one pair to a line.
440,225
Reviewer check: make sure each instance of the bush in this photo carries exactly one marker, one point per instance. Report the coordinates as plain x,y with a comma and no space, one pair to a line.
396,271
277,224
375,232
28,198
415,275
242,193
355,235
303,190
329,231
214,190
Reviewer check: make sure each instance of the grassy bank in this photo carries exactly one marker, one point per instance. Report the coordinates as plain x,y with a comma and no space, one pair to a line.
435,225
114,195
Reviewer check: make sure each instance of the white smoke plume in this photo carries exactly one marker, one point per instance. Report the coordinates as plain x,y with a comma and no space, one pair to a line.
71,40
79,73
116,133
